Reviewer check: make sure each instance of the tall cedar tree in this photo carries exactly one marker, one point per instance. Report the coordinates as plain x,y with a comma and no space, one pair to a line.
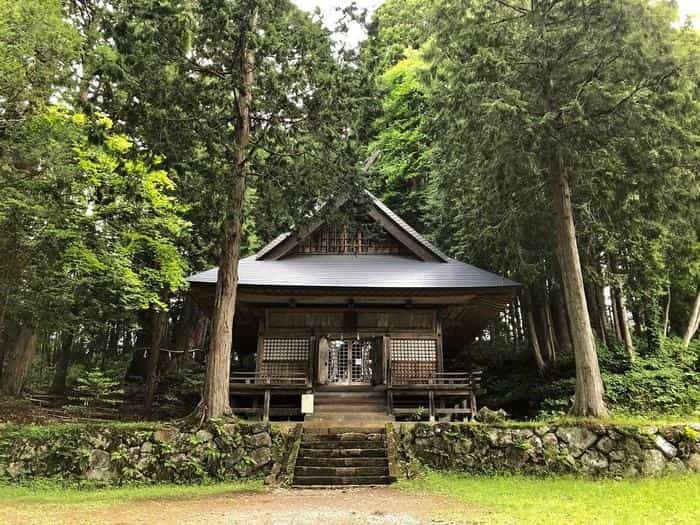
254,105
526,89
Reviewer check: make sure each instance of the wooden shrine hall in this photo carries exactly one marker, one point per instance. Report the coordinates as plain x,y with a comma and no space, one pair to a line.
369,318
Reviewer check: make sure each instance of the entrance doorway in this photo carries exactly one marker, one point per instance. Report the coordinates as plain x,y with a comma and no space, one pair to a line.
350,361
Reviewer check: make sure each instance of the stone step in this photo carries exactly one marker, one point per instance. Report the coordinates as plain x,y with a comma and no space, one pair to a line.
342,444
345,436
310,429
342,462
341,471
342,453
338,480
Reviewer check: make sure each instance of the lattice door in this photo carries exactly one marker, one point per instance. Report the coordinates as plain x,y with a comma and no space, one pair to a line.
350,361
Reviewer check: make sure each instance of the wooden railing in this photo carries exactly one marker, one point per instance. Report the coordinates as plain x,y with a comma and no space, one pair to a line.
262,379
263,384
406,395
439,379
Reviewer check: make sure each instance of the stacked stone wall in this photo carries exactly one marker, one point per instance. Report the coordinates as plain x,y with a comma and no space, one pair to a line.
114,454
594,449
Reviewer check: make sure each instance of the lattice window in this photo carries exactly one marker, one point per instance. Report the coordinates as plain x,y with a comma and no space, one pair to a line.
363,239
275,349
285,356
412,359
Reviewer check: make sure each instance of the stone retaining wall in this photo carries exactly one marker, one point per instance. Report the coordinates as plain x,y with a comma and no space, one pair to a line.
595,450
115,454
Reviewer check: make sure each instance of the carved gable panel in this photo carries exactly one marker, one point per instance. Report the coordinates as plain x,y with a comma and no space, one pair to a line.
360,240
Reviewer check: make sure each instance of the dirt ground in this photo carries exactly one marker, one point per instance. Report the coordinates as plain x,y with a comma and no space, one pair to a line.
352,506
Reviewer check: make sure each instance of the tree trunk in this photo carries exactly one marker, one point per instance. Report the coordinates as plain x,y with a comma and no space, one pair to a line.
588,397
693,322
552,342
561,322
138,367
158,330
667,312
518,311
19,362
4,339
596,310
215,398
183,334
626,335
532,332
58,385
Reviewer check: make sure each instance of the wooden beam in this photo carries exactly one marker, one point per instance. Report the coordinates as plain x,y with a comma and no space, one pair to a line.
338,299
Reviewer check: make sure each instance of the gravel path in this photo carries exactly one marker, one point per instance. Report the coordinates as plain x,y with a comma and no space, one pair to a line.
353,506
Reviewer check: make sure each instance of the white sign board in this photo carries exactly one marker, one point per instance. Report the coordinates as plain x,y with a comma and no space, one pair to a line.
307,403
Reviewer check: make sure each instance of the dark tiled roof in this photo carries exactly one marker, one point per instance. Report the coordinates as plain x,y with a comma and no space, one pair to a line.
359,271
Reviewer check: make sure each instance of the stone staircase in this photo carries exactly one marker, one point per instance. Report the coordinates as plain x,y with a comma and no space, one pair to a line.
331,456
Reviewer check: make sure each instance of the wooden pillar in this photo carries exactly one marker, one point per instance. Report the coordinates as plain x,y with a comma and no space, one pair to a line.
266,407
431,405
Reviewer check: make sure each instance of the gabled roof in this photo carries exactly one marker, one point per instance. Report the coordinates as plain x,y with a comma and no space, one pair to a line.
285,244
278,265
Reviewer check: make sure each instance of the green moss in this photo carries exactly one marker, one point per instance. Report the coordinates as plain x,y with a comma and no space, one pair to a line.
53,430
691,434
613,421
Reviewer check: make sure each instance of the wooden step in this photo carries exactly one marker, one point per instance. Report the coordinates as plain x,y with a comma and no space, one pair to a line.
350,409
349,418
349,395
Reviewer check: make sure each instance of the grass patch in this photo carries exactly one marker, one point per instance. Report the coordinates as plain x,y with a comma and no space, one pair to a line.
52,493
51,503
522,499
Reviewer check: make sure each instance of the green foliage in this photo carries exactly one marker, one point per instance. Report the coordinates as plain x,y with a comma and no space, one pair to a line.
664,383
402,169
93,231
96,390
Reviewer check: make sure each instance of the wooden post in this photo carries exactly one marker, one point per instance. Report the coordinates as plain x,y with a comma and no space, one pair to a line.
266,407
472,401
431,405
465,418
